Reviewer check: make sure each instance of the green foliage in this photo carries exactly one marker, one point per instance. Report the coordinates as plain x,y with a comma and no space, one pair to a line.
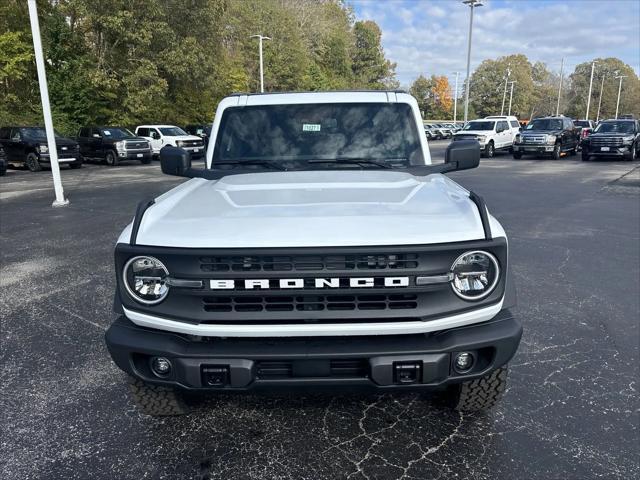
132,61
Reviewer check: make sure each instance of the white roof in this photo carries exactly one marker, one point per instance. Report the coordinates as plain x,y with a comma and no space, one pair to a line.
157,126
322,97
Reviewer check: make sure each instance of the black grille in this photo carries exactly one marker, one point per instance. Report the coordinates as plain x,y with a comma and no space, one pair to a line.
606,141
309,263
310,303
137,145
344,368
464,137
192,143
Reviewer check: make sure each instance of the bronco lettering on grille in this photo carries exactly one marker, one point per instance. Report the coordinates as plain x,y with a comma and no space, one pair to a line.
300,283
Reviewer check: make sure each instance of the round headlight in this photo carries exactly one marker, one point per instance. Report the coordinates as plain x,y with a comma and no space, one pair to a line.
474,275
145,278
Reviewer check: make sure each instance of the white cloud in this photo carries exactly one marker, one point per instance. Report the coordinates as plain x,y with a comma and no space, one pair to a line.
430,38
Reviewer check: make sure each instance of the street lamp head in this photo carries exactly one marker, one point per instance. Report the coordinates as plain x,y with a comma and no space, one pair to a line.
473,3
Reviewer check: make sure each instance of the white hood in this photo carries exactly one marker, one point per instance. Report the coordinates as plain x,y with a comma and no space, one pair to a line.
312,208
184,137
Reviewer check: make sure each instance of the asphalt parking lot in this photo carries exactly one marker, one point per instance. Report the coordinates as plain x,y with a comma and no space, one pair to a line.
570,412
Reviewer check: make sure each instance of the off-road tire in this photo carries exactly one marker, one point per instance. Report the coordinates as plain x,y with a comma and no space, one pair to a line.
480,394
3,169
156,400
146,161
75,165
111,158
633,154
32,162
489,150
557,151
517,155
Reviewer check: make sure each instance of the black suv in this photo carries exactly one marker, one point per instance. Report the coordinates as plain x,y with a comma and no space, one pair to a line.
113,145
616,138
202,131
28,146
555,136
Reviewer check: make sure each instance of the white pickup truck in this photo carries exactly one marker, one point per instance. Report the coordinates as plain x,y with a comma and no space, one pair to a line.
493,133
162,135
318,247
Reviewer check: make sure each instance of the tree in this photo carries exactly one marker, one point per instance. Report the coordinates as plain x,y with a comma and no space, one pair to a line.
442,101
421,90
610,68
370,67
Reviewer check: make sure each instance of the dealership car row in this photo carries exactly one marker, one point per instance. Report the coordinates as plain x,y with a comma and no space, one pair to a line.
552,136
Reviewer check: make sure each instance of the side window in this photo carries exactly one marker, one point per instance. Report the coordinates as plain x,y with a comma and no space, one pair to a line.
568,124
502,125
84,132
515,124
4,133
143,132
15,134
155,133
95,131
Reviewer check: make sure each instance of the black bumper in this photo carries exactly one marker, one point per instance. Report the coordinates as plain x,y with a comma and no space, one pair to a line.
144,155
372,362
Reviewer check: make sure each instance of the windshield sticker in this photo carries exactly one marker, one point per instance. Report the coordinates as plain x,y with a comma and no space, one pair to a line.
106,132
310,127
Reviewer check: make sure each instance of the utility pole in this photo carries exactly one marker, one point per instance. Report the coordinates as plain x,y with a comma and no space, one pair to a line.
600,101
504,95
593,65
560,87
60,201
472,4
455,100
619,90
511,95
261,38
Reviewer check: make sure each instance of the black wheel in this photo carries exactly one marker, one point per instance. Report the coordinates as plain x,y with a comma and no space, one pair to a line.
517,155
480,394
111,158
76,164
489,149
33,163
156,400
573,151
557,150
3,169
633,153
145,160
585,155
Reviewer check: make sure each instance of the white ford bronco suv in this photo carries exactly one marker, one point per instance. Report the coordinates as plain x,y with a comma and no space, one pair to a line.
318,247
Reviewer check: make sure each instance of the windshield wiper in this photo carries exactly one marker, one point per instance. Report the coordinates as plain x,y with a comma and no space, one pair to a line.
264,163
353,161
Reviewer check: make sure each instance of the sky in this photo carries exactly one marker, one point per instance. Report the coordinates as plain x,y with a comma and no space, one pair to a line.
430,36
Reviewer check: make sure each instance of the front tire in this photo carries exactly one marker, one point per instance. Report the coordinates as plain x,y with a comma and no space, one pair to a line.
156,400
146,160
111,158
633,153
585,155
489,150
557,150
33,163
480,394
517,155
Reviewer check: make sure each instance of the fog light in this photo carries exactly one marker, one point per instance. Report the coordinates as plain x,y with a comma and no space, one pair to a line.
160,366
463,362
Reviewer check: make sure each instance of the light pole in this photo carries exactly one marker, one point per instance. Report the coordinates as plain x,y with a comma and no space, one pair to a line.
455,100
60,201
504,95
600,100
511,95
472,4
261,38
560,87
619,90
593,65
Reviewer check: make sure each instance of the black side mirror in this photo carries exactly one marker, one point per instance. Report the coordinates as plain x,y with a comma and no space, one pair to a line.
175,161
464,154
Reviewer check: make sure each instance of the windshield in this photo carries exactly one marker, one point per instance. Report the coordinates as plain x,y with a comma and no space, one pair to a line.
479,125
581,123
116,132
36,132
172,131
545,124
290,134
615,127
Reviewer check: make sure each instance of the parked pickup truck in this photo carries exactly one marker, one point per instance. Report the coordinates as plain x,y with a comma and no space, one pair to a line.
112,145
493,133
28,146
162,135
548,136
319,246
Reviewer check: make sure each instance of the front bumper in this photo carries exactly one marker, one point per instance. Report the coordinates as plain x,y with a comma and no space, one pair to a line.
75,158
619,151
369,362
134,155
537,149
